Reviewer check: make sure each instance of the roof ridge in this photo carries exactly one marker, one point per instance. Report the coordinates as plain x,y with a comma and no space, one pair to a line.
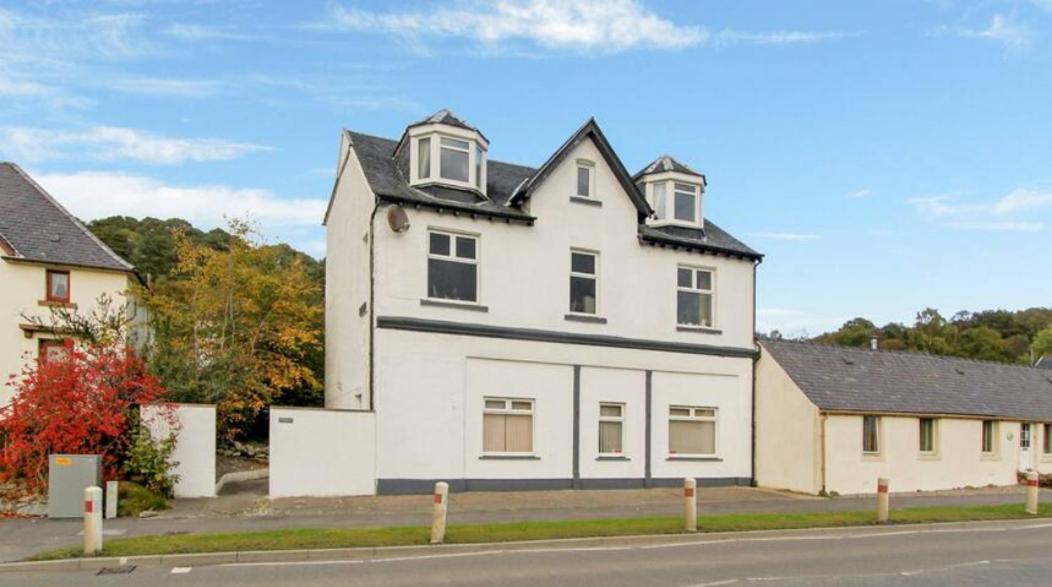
40,189
903,352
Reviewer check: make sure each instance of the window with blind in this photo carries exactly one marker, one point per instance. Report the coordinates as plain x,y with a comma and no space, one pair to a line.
507,426
611,429
870,435
691,431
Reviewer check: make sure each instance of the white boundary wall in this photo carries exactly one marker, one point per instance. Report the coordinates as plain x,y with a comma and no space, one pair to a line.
195,449
318,452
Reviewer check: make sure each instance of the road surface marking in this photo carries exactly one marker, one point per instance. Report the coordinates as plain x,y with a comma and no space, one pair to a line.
291,563
181,570
715,583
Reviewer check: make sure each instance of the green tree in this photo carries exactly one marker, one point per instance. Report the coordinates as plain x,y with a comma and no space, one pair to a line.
1042,343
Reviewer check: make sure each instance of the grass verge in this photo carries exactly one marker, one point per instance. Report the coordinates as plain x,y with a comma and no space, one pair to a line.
541,530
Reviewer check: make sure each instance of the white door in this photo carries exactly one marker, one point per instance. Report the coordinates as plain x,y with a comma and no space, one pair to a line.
1026,440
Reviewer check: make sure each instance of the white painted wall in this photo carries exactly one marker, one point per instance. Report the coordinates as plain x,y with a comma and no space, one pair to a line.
195,447
524,270
322,452
959,461
347,287
787,432
23,290
429,407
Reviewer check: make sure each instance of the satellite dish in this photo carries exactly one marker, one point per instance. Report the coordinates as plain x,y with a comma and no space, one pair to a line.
397,219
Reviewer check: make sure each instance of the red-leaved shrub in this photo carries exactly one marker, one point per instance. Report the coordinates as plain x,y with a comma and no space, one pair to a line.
84,404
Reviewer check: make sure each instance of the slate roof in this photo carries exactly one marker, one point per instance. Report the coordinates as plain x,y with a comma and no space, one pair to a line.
1044,362
667,163
852,379
39,229
446,116
508,187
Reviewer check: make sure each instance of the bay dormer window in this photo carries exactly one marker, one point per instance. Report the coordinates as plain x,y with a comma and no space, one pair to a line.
674,192
446,151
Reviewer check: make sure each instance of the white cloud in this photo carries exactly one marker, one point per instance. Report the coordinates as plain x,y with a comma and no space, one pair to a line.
205,206
785,236
11,87
117,143
858,194
196,32
780,37
599,26
1000,226
64,36
1002,29
794,323
187,88
1000,214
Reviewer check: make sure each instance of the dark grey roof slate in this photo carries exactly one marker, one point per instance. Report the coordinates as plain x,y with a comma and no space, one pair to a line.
446,116
711,239
389,182
505,182
39,229
667,163
854,379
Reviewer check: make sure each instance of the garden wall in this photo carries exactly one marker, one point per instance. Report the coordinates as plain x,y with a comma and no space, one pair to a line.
319,452
195,449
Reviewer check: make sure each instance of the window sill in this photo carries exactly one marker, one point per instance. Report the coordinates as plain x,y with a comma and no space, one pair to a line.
698,329
509,458
472,306
585,318
929,457
990,457
612,458
586,201
872,456
713,459
56,304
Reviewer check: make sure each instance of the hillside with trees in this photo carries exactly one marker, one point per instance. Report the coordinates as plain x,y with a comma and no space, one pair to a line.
235,321
989,335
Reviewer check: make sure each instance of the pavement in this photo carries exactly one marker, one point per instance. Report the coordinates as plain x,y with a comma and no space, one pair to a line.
244,511
1014,553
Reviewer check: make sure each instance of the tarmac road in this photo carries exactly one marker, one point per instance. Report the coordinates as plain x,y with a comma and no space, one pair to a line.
1006,553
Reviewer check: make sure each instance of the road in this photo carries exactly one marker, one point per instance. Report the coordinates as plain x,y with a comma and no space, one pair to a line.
1015,553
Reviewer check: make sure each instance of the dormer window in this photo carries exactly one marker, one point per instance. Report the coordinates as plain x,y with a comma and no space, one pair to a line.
444,150
686,197
454,159
674,191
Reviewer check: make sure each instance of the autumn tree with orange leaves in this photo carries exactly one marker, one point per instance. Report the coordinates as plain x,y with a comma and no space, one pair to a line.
238,326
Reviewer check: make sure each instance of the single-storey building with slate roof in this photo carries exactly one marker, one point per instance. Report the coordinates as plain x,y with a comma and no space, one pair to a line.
834,419
48,259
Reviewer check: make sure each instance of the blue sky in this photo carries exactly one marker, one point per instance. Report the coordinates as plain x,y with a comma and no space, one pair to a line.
885,156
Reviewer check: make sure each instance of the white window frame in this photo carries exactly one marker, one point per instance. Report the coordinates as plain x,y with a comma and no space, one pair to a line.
620,419
592,276
1046,439
667,201
694,289
453,235
468,156
430,157
477,164
879,433
695,196
588,166
507,410
1029,435
934,437
694,417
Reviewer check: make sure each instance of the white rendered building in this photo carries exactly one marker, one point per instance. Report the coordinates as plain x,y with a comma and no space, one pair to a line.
510,327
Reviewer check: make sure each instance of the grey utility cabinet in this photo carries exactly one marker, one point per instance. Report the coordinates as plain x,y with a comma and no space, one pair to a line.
68,477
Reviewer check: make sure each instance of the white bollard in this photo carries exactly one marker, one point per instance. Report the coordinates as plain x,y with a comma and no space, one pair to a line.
690,505
438,520
92,521
111,499
882,500
1033,486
